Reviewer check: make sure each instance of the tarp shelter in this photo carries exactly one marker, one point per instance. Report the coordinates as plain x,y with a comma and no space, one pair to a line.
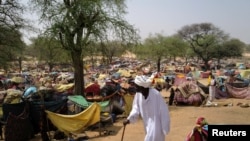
196,74
179,79
82,102
170,68
64,87
78,122
245,73
125,72
204,81
240,93
17,79
239,63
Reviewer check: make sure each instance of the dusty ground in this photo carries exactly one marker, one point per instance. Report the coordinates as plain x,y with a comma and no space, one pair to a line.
182,121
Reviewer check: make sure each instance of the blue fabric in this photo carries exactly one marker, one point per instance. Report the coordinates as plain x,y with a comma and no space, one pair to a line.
30,91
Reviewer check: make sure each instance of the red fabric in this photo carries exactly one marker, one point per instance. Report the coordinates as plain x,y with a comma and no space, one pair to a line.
94,89
241,93
193,99
205,74
200,121
188,93
196,135
179,79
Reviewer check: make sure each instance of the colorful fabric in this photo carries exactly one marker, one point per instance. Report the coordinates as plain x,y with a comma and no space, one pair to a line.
241,93
245,73
194,99
219,94
124,72
93,89
197,134
64,87
78,122
189,93
29,91
82,102
37,112
128,103
201,121
179,79
13,96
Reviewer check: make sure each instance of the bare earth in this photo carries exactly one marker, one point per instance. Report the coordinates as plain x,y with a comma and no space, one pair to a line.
182,120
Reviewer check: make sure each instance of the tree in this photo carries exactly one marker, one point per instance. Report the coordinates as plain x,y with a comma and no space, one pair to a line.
204,39
178,48
230,48
11,47
112,49
77,23
154,47
247,49
11,21
11,14
49,49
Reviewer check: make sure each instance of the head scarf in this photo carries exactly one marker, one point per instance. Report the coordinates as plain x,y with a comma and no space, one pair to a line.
143,81
201,121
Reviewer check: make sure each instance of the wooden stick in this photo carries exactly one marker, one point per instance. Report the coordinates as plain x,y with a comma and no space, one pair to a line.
123,132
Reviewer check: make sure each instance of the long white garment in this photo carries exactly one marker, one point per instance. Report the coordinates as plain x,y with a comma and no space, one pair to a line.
155,115
212,90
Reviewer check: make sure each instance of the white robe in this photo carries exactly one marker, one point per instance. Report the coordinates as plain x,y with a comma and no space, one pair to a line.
155,115
212,90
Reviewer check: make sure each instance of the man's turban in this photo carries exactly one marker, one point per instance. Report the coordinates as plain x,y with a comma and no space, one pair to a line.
143,81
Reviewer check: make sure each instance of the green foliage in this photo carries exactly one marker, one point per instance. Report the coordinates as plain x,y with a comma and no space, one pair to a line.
112,49
233,48
247,48
204,39
49,50
79,23
11,14
11,46
154,47
177,47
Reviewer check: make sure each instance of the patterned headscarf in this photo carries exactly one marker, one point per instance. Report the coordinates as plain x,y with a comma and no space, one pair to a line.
201,121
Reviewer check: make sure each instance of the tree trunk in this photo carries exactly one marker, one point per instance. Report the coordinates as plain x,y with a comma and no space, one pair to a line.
207,66
50,66
78,72
186,60
159,65
20,64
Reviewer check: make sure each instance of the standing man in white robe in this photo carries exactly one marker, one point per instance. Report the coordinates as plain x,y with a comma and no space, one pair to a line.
212,86
150,106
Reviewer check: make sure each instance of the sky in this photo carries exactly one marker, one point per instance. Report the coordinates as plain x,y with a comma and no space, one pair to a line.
168,16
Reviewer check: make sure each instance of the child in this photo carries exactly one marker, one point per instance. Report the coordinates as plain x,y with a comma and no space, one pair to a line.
200,131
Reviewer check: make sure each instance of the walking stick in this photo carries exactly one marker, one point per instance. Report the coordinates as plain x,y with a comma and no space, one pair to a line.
123,132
